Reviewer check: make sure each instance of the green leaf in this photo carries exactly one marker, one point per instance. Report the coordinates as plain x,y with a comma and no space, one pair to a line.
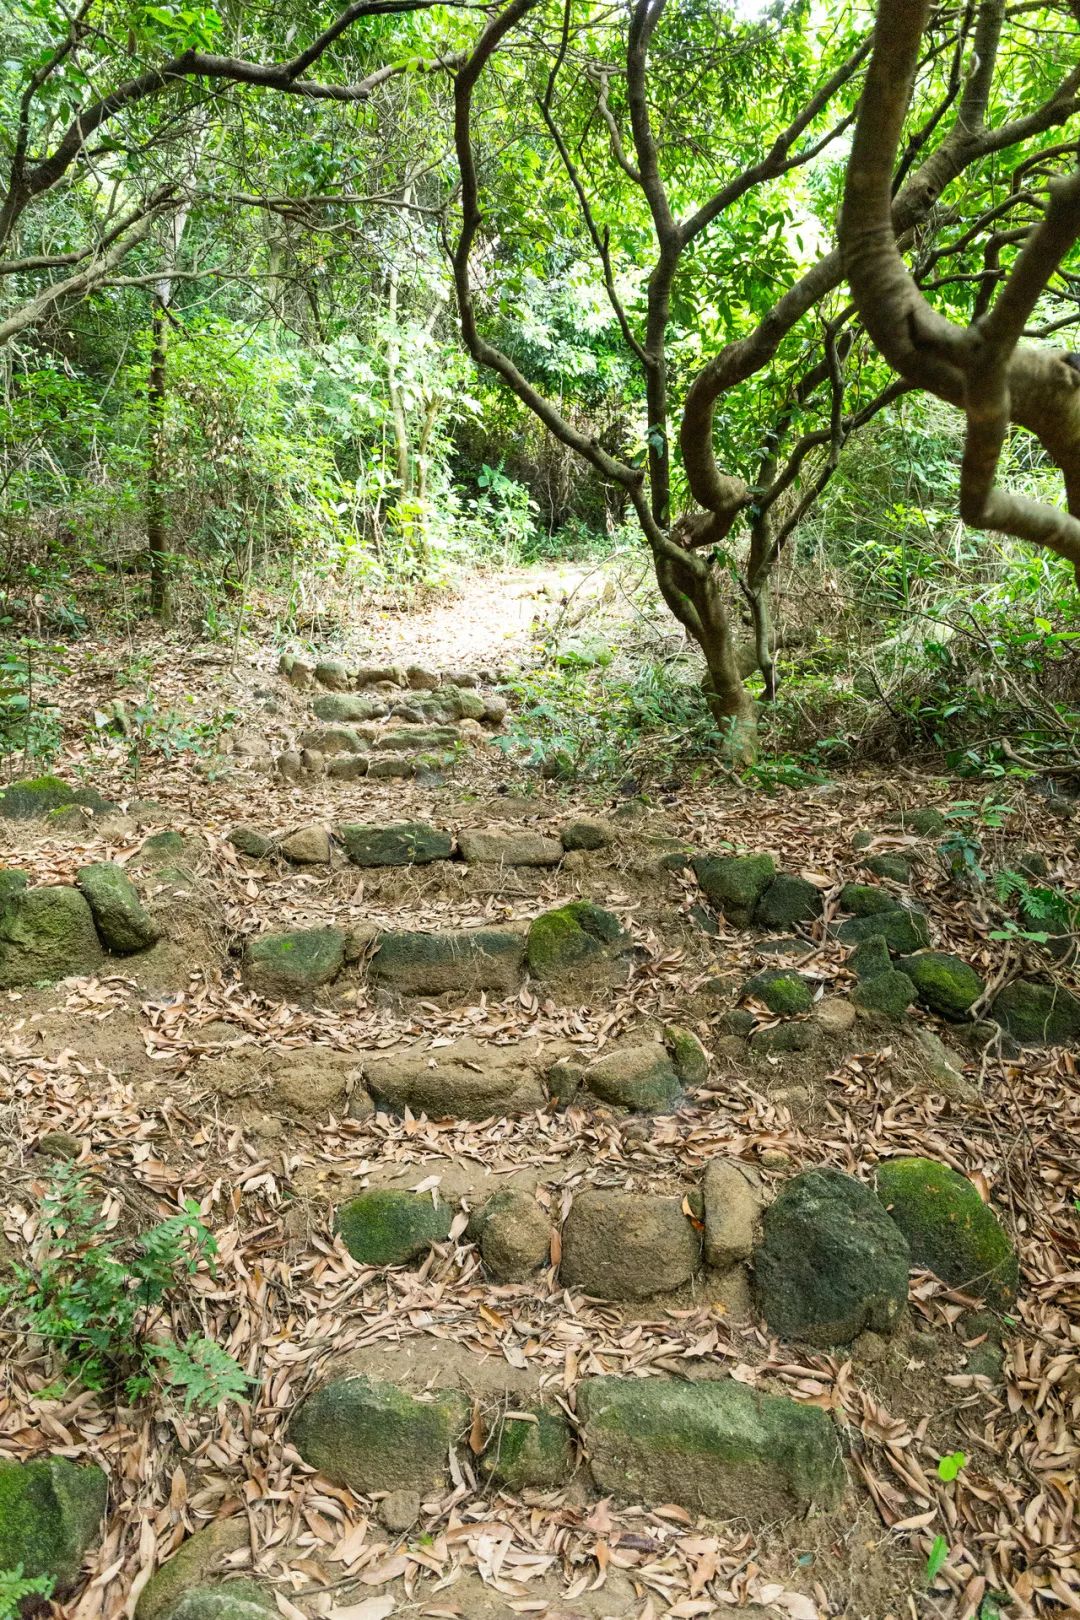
950,1465
939,1552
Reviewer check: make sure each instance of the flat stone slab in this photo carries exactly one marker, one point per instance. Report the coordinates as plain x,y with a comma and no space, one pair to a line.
373,1436
402,843
467,1080
458,960
714,1447
509,847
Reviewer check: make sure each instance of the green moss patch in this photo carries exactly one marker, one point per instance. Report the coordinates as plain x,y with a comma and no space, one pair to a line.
564,939
945,983
46,934
122,920
735,883
949,1229
50,1516
387,1226
296,963
532,1451
783,991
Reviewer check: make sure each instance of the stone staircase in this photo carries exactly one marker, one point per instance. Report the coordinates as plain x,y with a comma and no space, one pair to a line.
643,1171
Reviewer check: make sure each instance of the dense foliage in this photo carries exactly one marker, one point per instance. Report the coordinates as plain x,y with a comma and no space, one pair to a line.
232,275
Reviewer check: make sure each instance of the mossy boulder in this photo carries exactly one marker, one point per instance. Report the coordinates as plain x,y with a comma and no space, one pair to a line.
389,1226
50,1516
783,991
402,843
735,883
890,994
13,880
296,963
829,1267
870,959
893,867
903,930
373,1436
530,1451
1038,1014
36,796
945,983
163,847
122,920
866,900
781,1038
46,934
571,936
247,841
642,1078
461,961
346,708
687,1054
949,1229
925,822
195,1562
231,1600
712,1446
787,902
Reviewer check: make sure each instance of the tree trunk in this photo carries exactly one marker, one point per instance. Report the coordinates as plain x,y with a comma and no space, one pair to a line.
156,506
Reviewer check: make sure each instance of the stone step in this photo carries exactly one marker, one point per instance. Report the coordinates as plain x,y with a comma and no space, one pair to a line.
708,1444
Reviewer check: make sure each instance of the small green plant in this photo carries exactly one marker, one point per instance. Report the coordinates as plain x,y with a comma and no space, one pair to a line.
27,725
950,1465
15,1588
91,1296
1037,905
935,1563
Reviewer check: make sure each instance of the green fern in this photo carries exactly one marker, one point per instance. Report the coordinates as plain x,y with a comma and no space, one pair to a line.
90,1293
15,1588
207,1374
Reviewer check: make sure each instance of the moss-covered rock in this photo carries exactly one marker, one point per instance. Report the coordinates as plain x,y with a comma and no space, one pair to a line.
735,883
46,934
455,960
373,1436
198,1560
13,880
893,867
829,1267
642,1078
346,708
231,1600
36,796
945,983
530,1451
713,1446
783,991
122,920
388,1226
246,841
296,963
563,940
870,959
50,1516
903,930
866,900
403,843
167,849
587,832
687,1054
781,1038
926,823
787,902
949,1229
889,993
1038,1014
